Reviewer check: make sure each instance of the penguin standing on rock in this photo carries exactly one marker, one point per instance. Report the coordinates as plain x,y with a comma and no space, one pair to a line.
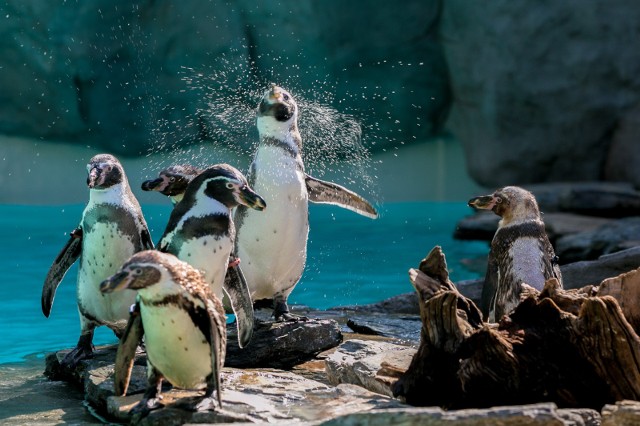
172,181
520,250
111,230
183,324
201,232
273,244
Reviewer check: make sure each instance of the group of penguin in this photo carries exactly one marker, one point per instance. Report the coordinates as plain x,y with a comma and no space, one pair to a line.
231,241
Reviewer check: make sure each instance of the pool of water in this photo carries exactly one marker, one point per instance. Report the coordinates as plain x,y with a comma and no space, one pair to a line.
352,260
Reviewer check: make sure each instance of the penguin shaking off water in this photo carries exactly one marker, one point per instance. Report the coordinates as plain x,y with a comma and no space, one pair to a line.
172,181
201,232
111,230
183,324
520,250
273,245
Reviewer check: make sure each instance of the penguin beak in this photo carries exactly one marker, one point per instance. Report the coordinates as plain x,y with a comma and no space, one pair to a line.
152,185
94,177
485,202
250,199
119,281
275,94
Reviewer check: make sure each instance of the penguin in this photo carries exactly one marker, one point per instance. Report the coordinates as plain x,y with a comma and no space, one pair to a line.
273,244
112,228
183,325
201,232
172,181
520,250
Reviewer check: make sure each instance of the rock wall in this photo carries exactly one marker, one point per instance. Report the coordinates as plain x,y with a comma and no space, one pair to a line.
113,74
539,88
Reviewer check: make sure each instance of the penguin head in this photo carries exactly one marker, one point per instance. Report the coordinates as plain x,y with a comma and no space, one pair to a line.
151,271
227,185
172,181
511,203
104,171
277,112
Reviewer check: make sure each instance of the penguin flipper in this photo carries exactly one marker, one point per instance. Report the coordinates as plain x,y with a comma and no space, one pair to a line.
145,237
218,338
126,354
67,256
237,289
331,193
489,289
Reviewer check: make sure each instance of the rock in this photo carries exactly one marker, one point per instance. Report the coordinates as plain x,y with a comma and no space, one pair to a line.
479,226
514,103
623,159
405,328
406,303
608,238
372,365
132,78
521,415
622,413
284,344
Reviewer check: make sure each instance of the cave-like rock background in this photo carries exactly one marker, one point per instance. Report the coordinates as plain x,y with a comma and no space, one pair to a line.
534,91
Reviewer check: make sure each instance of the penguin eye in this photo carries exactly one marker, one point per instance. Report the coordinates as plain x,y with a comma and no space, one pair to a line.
285,97
171,179
108,168
229,185
137,271
498,200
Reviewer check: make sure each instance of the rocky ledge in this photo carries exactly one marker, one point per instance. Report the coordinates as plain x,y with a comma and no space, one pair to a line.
346,385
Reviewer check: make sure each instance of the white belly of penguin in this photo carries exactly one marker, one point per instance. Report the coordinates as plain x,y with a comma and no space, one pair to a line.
104,250
210,255
176,346
527,264
272,244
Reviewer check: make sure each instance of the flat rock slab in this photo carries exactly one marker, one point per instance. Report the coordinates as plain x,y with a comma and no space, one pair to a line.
372,365
283,344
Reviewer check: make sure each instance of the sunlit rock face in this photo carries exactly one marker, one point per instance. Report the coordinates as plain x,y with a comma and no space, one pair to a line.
539,89
119,75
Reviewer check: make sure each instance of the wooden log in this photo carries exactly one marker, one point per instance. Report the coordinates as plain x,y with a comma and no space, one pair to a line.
571,347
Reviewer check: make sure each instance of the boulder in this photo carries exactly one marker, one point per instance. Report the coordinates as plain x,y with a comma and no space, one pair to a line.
608,238
623,159
622,413
372,365
538,89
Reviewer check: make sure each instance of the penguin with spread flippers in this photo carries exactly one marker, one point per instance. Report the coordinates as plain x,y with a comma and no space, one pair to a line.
183,325
273,244
201,232
520,250
112,229
172,181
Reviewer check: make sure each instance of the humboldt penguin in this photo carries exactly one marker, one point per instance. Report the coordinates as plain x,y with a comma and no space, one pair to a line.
172,181
112,228
520,250
183,324
273,244
201,232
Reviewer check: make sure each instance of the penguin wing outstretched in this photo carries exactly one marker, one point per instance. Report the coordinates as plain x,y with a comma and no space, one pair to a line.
236,288
331,193
67,256
126,354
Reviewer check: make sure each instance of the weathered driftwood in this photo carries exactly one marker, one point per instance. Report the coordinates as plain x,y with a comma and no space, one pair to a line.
571,347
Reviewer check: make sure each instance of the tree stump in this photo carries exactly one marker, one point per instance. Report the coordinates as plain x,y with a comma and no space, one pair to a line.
571,347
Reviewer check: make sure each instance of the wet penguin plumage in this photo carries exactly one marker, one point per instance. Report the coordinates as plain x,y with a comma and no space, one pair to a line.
172,181
521,252
273,244
201,232
111,230
183,324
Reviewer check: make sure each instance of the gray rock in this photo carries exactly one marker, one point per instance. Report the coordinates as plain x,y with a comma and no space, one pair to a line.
366,364
524,415
406,303
622,413
538,89
608,238
284,344
580,274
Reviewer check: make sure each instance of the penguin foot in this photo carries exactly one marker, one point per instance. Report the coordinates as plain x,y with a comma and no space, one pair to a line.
145,406
207,403
289,317
78,353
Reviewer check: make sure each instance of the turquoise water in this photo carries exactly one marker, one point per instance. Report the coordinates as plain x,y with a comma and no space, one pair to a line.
352,260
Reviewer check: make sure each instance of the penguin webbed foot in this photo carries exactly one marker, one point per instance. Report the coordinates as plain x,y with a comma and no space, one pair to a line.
206,403
145,406
79,353
281,313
